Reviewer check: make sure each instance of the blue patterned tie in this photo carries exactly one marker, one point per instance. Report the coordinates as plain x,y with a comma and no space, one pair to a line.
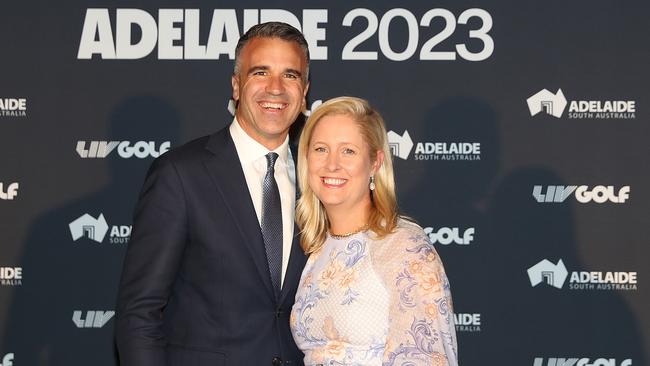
272,222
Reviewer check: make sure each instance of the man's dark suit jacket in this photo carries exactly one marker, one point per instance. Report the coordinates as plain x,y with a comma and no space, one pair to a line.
195,288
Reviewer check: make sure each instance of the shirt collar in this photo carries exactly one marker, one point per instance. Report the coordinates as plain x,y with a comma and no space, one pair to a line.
250,150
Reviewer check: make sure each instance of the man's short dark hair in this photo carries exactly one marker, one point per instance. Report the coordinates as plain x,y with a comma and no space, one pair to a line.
279,30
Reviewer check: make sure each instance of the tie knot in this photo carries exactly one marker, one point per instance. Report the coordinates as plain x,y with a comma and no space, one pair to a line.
270,160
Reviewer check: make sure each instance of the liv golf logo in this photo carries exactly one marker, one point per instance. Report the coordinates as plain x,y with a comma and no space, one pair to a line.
95,229
554,104
553,361
140,149
448,235
11,193
91,318
555,275
402,145
583,194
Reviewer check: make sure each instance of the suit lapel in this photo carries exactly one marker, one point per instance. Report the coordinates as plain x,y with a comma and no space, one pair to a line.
297,261
294,154
226,172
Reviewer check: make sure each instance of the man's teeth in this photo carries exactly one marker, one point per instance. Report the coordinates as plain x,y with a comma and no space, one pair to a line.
269,105
334,181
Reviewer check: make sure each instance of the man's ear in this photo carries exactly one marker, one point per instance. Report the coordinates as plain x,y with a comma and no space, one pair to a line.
304,93
234,80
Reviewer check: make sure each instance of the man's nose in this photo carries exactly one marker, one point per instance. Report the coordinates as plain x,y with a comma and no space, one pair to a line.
275,85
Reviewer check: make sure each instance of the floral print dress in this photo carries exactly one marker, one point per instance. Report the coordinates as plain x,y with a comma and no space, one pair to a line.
367,302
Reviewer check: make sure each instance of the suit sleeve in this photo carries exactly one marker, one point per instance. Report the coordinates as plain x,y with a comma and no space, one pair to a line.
421,327
151,265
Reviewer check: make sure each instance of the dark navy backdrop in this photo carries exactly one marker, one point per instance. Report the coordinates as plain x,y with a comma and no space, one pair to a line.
542,219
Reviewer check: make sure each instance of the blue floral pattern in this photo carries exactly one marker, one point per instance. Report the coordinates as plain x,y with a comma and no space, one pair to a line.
367,302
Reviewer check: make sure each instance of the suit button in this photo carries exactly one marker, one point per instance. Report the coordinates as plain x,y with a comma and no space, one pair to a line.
278,313
277,361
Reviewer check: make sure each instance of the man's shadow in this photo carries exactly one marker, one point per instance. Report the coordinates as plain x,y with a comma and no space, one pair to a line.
63,276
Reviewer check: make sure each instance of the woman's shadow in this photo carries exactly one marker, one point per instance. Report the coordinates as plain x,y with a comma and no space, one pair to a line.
512,232
452,194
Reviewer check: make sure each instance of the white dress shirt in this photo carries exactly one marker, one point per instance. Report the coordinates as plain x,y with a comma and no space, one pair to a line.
252,156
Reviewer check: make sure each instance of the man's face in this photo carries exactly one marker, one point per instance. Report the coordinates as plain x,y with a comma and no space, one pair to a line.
270,88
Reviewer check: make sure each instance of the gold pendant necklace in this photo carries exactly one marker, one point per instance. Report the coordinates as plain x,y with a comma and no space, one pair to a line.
343,236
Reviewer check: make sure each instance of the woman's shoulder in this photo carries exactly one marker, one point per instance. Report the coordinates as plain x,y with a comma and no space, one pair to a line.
407,237
408,231
407,226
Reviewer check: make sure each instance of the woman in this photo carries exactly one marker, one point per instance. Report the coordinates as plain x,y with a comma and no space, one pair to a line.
373,291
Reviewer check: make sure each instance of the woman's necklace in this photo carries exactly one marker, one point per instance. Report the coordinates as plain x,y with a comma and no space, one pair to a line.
343,236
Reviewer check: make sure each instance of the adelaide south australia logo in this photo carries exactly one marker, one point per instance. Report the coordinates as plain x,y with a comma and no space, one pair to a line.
95,229
556,274
554,104
402,145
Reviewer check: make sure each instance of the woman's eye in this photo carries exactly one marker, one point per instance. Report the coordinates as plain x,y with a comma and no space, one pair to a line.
349,151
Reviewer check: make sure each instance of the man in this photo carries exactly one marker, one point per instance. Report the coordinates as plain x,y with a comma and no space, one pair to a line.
213,263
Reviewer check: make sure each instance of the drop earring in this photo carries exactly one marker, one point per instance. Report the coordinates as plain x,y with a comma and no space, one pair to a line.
372,182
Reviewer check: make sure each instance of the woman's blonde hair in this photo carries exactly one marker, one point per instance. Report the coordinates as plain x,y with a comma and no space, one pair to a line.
310,213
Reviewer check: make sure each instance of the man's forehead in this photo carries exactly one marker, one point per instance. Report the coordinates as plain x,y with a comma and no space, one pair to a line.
266,56
272,42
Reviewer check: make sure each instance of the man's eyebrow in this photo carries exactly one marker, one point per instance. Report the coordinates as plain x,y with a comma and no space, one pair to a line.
253,69
294,71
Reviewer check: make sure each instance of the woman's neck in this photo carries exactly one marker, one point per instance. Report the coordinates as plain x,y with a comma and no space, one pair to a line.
344,221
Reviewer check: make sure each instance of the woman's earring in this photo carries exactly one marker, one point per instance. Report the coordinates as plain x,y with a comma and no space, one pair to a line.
372,182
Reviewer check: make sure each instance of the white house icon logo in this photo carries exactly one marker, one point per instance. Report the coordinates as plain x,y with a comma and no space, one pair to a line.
400,145
549,273
547,102
89,227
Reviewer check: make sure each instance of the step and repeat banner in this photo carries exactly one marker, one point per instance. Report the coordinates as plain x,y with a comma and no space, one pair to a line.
519,132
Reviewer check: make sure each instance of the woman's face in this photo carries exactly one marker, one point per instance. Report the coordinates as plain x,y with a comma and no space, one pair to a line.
339,164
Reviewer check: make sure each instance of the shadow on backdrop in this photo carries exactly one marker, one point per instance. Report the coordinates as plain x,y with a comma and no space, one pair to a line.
526,322
452,194
64,276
